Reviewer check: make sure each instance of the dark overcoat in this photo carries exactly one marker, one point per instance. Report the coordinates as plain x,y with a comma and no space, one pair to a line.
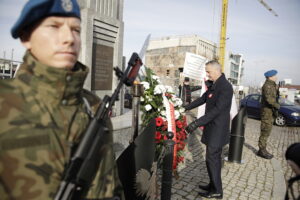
216,120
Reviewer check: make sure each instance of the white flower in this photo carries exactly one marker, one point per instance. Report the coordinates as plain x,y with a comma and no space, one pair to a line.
155,77
146,85
163,113
158,109
179,102
148,107
169,89
142,99
177,114
159,89
181,110
174,99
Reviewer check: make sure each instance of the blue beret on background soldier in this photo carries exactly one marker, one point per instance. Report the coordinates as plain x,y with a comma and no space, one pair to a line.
269,110
44,110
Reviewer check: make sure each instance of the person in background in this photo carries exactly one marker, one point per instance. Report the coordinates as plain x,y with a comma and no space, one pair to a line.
216,122
269,111
292,156
185,91
44,110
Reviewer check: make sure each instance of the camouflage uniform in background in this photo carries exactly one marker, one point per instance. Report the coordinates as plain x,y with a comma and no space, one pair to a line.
42,115
269,108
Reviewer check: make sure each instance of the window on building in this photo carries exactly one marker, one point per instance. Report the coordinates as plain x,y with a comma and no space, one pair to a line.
168,72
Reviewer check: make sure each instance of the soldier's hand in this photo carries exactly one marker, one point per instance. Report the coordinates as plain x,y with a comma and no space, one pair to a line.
275,113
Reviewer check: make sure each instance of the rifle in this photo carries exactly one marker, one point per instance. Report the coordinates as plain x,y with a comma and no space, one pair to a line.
83,166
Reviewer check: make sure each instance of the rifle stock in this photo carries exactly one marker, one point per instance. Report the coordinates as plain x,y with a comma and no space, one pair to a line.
83,166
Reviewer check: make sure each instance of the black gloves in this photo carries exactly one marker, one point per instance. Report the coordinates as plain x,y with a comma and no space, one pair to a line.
191,127
186,107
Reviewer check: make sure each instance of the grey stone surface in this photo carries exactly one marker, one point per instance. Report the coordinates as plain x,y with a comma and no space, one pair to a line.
122,131
279,181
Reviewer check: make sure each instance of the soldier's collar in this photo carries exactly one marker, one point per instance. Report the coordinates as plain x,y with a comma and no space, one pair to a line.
270,81
56,84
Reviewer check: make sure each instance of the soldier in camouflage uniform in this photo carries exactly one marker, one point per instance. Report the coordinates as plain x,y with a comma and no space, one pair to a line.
269,110
44,110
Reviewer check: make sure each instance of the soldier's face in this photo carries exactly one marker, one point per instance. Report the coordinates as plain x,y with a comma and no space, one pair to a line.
273,78
55,41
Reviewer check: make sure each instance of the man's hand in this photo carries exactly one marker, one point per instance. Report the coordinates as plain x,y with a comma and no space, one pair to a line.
186,106
191,127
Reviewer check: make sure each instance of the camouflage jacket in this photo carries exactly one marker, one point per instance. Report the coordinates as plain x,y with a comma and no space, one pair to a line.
42,115
269,95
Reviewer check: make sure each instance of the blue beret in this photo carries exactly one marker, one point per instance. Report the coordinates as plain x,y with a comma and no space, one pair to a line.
270,73
34,10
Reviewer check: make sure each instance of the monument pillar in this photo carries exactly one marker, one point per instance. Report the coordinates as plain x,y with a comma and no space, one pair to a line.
102,45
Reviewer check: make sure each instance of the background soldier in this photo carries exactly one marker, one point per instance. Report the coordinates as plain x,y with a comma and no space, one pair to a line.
269,110
44,111
185,91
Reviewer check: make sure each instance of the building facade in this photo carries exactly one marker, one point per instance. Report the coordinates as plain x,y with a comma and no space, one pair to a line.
8,68
166,55
234,68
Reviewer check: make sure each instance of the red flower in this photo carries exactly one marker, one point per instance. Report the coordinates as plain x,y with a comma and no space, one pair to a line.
179,124
178,136
159,121
183,135
165,137
180,145
157,135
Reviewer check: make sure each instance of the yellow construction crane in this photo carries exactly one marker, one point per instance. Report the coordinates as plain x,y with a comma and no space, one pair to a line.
223,29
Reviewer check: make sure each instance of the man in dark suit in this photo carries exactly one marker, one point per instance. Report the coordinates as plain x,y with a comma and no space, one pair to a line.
216,120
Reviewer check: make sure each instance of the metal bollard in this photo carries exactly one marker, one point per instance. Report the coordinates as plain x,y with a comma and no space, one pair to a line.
166,183
137,92
237,136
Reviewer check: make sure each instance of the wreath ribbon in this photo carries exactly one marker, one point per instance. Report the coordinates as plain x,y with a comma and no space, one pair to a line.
170,115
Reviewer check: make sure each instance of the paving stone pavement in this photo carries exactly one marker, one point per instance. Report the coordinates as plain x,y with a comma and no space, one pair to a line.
256,178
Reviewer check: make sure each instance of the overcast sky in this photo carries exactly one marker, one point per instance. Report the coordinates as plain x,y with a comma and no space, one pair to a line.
266,42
